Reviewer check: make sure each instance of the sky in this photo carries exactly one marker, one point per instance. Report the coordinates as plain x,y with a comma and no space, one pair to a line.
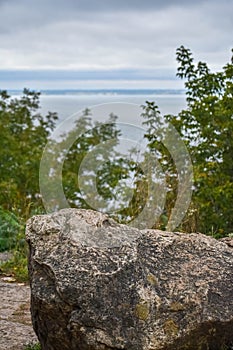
80,44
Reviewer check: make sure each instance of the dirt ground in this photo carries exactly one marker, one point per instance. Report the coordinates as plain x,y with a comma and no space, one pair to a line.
15,319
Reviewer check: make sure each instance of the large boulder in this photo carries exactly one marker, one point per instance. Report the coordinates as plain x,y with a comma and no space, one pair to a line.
98,285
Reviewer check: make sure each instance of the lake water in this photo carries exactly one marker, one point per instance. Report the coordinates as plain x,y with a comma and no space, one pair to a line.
126,105
67,104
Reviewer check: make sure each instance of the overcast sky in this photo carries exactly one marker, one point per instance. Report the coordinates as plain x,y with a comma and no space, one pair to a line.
108,43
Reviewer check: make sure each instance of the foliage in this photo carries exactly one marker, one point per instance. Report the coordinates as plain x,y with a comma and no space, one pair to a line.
10,226
24,134
17,265
207,127
33,346
94,173
97,147
156,129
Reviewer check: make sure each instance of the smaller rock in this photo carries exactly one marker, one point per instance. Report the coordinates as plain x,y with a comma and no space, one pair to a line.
9,279
5,256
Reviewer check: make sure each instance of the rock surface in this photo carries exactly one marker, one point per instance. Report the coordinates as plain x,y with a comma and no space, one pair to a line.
98,285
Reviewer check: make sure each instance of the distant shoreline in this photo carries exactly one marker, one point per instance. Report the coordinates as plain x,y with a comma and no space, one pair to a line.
105,92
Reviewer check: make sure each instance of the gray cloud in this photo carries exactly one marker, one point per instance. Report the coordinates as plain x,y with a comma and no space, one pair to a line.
24,14
109,34
97,6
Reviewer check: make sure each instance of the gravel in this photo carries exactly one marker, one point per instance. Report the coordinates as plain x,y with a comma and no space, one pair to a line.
15,318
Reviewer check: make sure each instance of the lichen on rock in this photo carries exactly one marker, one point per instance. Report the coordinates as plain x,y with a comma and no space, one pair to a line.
99,285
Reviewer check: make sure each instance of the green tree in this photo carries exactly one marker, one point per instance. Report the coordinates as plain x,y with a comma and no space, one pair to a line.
23,133
156,129
207,127
93,170
9,228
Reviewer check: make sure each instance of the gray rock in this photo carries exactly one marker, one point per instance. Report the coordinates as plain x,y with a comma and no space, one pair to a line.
98,285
